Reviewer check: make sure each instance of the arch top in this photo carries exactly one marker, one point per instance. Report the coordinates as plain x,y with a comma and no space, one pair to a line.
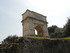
32,14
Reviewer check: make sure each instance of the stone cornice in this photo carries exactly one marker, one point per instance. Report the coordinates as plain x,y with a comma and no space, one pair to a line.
34,13
34,19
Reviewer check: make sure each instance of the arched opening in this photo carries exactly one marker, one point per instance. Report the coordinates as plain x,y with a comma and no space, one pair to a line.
38,31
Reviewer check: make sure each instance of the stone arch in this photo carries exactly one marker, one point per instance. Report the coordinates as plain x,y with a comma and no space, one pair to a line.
31,21
39,31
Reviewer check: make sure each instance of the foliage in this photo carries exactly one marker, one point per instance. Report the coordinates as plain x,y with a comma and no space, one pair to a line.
10,39
67,29
52,29
55,32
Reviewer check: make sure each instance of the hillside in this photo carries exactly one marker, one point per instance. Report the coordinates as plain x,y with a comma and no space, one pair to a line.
37,45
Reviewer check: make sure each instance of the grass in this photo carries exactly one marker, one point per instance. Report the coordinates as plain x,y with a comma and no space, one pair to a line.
34,37
66,38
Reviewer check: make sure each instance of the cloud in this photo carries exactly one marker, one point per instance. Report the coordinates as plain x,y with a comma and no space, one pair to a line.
11,10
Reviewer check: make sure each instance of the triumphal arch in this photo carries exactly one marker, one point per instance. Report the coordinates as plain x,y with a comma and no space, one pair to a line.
32,21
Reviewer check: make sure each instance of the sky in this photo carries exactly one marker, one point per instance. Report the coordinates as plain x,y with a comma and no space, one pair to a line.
56,11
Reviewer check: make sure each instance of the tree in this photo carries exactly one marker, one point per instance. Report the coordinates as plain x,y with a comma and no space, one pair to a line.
55,32
67,29
52,29
58,32
10,39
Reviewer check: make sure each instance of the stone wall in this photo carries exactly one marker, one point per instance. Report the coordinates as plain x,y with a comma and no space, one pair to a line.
30,45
